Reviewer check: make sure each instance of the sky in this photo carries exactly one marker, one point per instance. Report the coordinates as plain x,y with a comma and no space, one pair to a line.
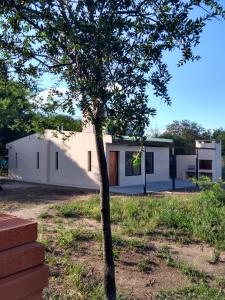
197,89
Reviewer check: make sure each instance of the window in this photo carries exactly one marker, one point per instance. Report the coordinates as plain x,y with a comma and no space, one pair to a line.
57,160
16,159
89,161
149,162
38,160
130,168
205,164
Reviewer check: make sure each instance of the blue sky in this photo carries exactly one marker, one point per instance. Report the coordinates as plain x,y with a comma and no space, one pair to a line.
197,89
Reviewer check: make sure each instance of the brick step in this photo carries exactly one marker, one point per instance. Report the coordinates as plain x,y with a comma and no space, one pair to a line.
21,258
15,231
36,296
24,285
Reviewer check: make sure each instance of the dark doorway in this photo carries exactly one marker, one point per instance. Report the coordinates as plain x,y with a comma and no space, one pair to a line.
113,168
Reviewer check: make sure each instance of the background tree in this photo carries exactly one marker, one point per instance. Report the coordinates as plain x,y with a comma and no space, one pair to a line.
185,133
219,134
107,52
60,121
16,111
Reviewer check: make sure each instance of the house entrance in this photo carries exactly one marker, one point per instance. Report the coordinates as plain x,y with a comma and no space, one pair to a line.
113,168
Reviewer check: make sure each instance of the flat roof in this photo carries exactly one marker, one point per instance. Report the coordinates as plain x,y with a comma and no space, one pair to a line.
149,141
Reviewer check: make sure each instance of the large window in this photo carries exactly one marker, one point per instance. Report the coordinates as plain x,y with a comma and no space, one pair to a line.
205,164
149,162
131,169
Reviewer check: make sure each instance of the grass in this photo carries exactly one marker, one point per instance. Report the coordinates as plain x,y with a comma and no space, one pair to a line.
44,215
199,217
139,219
201,291
68,238
145,265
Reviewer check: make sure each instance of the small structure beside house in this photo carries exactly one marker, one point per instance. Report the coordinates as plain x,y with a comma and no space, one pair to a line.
207,161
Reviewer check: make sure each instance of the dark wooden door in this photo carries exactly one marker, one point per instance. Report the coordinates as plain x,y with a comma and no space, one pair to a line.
113,167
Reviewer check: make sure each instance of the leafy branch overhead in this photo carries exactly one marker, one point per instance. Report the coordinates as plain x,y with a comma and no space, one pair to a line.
107,52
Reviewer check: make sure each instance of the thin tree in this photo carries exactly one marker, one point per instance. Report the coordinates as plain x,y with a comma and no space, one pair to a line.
107,52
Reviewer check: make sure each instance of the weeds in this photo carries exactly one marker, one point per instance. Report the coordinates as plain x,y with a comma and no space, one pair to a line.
199,216
145,265
44,215
68,238
215,259
201,291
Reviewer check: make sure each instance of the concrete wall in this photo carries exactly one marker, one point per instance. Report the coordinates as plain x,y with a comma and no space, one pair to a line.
26,149
161,164
184,164
212,152
214,155
72,159
72,149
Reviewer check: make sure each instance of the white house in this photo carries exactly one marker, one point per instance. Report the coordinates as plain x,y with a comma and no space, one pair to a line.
70,159
208,160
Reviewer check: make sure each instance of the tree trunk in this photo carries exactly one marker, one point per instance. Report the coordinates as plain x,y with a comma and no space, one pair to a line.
109,267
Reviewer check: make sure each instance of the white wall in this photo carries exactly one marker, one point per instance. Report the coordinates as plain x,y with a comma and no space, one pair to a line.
161,164
183,162
214,154
26,149
73,160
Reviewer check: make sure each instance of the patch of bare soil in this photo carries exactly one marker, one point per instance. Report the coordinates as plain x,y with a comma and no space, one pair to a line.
130,280
18,195
199,256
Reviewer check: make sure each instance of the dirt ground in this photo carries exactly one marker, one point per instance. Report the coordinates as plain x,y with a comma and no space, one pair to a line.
30,200
19,196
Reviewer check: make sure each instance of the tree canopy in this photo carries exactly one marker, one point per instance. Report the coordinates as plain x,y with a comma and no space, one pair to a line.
107,53
185,133
20,116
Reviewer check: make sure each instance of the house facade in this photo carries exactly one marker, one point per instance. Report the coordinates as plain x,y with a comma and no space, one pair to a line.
70,159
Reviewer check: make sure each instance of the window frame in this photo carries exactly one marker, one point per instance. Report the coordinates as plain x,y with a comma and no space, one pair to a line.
38,160
56,160
151,169
205,161
16,160
132,168
89,166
